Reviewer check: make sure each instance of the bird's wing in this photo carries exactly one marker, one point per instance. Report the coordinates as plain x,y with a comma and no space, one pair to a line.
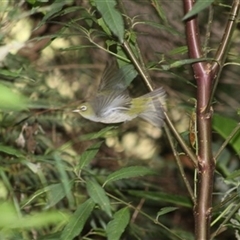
114,101
154,106
116,79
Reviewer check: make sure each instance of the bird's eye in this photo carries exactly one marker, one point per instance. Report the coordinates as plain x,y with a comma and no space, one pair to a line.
83,108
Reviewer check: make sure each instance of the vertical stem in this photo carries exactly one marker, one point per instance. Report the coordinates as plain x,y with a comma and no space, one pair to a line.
206,165
206,75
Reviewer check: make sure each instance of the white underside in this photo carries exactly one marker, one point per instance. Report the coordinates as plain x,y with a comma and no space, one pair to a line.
116,118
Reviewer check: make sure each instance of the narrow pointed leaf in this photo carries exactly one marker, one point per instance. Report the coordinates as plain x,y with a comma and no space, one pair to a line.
10,100
162,197
56,193
224,126
88,155
64,177
54,8
129,172
165,210
163,27
11,151
77,220
116,227
98,195
129,73
112,17
185,62
10,218
198,7
234,174
101,134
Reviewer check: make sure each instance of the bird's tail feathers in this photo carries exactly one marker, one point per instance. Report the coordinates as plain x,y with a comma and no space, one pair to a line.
154,111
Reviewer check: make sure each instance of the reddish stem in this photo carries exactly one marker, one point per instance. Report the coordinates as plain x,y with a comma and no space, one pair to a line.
204,78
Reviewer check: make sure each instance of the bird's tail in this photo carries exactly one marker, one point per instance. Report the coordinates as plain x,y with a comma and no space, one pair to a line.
154,107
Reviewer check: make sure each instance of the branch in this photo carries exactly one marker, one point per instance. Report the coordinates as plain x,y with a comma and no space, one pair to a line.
184,177
206,165
223,48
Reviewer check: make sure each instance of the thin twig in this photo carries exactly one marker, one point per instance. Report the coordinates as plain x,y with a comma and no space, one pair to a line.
231,135
208,31
223,48
147,81
138,208
226,220
176,155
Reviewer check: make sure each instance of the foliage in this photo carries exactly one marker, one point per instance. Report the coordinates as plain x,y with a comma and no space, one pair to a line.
63,177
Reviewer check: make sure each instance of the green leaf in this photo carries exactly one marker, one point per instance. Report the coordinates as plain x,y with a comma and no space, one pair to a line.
198,7
165,210
74,9
10,74
10,100
88,155
31,1
162,27
10,218
129,172
103,133
224,126
184,62
161,12
54,8
179,50
105,28
233,175
33,197
60,166
112,17
129,73
116,227
56,192
162,197
11,151
77,220
98,195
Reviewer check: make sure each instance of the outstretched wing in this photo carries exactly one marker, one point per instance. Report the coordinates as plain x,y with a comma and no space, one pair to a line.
113,102
114,79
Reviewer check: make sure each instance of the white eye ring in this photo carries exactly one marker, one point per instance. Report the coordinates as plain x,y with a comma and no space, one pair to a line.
83,108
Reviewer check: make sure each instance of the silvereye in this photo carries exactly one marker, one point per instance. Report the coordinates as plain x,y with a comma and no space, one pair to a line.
113,104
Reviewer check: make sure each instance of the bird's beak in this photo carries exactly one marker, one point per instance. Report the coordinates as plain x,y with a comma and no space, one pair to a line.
76,110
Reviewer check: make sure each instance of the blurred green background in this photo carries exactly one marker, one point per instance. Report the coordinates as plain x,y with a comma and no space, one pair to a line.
56,170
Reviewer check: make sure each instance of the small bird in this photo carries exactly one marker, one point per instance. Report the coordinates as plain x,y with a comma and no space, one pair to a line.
113,104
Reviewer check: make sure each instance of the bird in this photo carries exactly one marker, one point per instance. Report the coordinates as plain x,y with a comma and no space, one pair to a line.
113,104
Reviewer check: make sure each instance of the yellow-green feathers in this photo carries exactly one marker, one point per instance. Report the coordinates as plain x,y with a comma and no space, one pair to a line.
112,103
